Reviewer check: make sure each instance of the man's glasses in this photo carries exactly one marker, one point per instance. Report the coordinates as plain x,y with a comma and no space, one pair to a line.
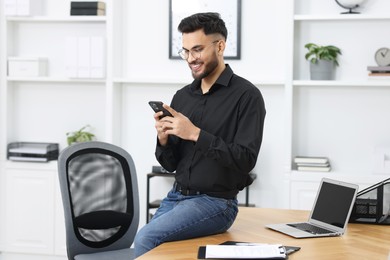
195,53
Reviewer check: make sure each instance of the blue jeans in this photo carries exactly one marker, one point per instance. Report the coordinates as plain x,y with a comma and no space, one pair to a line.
182,217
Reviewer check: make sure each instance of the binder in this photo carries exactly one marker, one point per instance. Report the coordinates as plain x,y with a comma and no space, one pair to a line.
372,204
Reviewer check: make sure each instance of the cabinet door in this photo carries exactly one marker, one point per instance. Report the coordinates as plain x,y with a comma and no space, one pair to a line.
59,230
303,194
29,211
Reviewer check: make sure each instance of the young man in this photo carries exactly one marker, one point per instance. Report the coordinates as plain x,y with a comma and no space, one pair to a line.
212,140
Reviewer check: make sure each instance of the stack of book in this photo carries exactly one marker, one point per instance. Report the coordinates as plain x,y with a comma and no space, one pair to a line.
378,71
305,163
87,8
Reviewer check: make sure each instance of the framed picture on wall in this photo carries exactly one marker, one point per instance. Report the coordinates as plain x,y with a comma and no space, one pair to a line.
230,11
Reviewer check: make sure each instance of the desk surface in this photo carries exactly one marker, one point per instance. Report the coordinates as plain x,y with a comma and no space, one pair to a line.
362,241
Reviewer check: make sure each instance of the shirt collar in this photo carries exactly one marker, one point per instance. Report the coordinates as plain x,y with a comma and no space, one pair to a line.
223,80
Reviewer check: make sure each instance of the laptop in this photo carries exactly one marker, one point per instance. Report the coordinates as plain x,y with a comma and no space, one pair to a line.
330,214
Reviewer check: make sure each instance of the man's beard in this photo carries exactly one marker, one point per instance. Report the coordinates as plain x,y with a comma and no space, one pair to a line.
210,67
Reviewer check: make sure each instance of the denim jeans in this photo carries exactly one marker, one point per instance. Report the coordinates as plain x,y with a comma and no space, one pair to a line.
182,217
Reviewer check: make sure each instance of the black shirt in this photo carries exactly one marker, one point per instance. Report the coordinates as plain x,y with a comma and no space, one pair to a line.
231,118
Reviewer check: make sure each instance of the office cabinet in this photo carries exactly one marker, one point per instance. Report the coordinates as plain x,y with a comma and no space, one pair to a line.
30,211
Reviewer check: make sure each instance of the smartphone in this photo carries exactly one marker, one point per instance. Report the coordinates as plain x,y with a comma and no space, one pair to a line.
157,106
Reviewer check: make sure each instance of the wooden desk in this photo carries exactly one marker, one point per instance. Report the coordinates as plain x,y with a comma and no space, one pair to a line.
362,241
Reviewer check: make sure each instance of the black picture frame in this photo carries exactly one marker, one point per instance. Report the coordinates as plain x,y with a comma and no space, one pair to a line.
230,11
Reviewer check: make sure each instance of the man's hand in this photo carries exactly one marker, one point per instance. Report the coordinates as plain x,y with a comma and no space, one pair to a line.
161,133
178,125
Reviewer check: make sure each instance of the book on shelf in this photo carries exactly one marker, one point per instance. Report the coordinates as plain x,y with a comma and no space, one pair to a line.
379,74
378,69
88,5
314,168
308,159
88,11
313,164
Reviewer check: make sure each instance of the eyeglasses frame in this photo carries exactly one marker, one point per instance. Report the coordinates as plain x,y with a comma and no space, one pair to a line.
185,54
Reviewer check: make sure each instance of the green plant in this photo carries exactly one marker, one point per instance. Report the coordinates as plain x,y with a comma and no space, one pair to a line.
318,52
79,136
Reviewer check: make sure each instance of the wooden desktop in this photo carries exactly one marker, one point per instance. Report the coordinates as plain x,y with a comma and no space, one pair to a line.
361,241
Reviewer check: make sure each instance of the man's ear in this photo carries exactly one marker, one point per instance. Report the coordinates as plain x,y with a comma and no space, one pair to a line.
221,47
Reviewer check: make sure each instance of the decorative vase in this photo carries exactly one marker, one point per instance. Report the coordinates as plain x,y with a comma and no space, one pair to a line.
322,70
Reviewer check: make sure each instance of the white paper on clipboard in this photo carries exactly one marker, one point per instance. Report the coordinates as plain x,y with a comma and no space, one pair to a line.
246,251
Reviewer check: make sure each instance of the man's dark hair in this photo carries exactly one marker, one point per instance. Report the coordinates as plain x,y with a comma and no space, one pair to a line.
210,23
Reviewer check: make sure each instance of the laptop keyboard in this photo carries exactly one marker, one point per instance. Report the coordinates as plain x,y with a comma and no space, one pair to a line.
310,228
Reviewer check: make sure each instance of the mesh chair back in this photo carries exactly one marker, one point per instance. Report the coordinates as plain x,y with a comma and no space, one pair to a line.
100,195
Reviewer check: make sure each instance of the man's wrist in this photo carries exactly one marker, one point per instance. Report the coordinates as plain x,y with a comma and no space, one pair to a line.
196,134
162,141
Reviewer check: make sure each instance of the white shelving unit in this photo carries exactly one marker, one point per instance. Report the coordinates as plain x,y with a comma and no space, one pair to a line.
44,109
340,17
343,119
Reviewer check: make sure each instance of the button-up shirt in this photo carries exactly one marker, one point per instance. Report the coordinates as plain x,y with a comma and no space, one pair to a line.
231,118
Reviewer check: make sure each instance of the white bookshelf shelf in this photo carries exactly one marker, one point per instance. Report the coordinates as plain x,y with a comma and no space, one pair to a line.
165,81
54,79
336,83
162,81
363,177
47,166
65,19
340,17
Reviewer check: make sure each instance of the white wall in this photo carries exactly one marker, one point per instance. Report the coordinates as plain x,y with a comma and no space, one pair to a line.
263,41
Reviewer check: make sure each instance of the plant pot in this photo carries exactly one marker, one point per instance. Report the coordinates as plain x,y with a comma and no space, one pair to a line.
322,70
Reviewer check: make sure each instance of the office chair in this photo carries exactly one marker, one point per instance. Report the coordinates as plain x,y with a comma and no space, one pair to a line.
99,191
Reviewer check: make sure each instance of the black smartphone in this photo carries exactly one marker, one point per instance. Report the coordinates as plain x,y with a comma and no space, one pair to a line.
157,106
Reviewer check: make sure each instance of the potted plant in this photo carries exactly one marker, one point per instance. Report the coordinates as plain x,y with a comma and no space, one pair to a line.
323,60
79,136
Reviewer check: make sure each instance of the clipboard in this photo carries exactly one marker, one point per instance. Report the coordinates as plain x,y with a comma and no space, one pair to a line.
287,250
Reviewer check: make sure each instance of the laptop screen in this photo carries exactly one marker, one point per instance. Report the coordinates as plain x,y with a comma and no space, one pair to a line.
333,204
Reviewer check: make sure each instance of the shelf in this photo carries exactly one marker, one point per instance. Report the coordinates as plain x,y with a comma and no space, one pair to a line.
362,177
186,81
151,81
49,166
55,79
269,82
66,19
340,17
335,83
